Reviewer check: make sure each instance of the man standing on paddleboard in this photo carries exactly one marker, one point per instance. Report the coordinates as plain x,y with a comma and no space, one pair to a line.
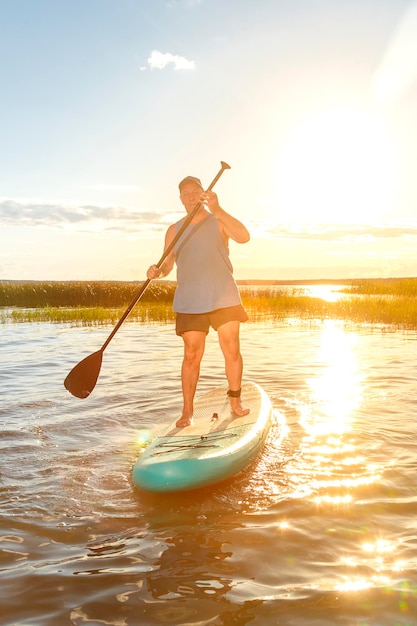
206,294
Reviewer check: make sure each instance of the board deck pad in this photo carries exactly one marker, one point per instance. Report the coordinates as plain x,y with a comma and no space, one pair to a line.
216,446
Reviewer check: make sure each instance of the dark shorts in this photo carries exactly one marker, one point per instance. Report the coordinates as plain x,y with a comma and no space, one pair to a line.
203,321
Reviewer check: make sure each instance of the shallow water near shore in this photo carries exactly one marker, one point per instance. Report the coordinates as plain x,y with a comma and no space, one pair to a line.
320,530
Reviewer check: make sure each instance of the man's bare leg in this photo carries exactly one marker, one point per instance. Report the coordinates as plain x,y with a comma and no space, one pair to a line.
194,343
230,344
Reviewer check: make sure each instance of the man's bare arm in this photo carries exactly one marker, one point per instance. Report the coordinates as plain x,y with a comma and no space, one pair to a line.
160,272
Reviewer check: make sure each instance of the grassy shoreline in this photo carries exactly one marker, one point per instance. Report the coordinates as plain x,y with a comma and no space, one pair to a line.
372,301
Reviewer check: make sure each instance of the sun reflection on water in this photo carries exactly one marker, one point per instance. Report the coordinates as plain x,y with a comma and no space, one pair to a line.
380,557
332,464
329,293
336,390
337,472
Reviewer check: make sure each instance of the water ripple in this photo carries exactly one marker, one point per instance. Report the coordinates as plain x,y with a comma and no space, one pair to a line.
320,529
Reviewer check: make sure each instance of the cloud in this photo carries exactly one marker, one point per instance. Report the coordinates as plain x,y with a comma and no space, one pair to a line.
113,187
334,232
29,212
33,213
159,60
187,3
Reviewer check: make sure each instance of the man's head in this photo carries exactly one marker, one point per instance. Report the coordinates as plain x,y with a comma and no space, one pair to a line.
190,192
190,180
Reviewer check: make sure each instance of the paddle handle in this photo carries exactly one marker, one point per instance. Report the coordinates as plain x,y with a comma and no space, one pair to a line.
224,166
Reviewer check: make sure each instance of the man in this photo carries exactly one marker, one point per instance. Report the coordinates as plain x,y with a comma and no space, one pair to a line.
206,294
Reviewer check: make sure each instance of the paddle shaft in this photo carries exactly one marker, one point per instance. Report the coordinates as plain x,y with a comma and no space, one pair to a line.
224,166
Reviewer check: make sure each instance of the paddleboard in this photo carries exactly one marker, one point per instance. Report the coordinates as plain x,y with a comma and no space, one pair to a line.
217,446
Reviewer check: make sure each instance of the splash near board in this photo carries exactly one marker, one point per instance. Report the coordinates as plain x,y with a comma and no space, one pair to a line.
217,446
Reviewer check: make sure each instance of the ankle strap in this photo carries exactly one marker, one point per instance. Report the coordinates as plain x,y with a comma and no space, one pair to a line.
234,394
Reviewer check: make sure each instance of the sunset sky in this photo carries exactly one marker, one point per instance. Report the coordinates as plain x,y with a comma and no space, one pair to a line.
107,104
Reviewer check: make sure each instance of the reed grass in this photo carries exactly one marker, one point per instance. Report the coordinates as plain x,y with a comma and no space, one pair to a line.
406,287
35,294
277,304
94,303
398,311
90,316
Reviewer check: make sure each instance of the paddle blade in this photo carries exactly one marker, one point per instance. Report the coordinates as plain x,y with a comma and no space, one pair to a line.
83,377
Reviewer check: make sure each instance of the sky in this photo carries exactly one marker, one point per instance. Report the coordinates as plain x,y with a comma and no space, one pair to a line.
106,104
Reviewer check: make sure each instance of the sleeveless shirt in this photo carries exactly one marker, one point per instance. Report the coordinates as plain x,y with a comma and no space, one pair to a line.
204,272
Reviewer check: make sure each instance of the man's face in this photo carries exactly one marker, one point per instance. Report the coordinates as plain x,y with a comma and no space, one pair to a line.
190,195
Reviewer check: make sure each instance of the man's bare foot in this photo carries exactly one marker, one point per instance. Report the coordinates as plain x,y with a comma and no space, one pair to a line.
237,409
184,421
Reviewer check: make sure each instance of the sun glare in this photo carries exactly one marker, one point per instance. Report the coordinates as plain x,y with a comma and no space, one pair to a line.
338,387
337,168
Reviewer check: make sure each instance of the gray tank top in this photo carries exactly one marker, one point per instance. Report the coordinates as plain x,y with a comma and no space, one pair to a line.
204,272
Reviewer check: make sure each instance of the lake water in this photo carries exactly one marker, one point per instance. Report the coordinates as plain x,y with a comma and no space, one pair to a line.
320,531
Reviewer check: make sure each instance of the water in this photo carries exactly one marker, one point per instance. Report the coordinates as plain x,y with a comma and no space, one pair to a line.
321,530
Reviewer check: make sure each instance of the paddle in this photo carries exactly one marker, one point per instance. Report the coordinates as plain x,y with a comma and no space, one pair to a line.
83,377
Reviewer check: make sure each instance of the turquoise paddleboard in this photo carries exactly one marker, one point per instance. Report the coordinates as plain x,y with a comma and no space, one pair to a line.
215,447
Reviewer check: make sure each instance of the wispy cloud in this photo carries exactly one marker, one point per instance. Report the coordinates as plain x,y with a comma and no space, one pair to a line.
113,187
187,3
334,232
29,212
82,217
160,60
